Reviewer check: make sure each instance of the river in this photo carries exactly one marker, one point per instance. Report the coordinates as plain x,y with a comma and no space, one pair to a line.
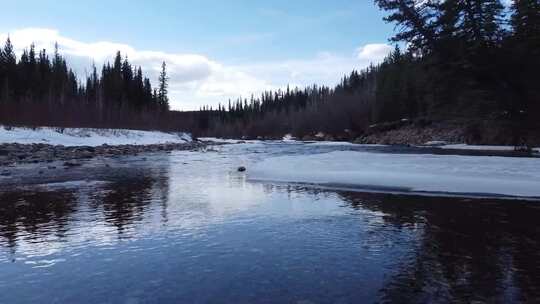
187,227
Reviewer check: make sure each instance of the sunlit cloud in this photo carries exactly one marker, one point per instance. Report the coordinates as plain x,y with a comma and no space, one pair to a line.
374,52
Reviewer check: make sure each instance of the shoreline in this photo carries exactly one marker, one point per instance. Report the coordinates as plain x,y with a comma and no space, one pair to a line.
435,147
13,154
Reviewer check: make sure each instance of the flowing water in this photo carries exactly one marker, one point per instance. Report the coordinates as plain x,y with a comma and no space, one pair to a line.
186,227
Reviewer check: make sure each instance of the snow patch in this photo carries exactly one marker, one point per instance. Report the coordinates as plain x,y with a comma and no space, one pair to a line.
289,137
331,143
229,141
501,176
220,140
445,145
342,143
435,143
479,147
320,135
87,137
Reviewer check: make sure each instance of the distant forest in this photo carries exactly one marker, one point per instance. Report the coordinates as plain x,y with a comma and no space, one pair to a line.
474,62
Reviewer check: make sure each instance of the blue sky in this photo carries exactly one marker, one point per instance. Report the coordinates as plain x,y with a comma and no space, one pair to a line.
215,49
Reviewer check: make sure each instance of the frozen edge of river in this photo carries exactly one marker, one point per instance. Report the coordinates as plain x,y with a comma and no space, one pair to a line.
408,173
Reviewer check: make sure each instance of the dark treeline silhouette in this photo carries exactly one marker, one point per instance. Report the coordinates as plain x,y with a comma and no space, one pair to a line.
473,61
37,90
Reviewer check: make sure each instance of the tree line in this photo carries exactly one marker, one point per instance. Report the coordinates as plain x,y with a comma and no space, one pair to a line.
470,60
38,89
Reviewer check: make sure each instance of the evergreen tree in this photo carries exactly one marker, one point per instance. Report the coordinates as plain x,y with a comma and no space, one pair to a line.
162,96
482,21
415,19
8,55
9,61
526,23
3,74
524,45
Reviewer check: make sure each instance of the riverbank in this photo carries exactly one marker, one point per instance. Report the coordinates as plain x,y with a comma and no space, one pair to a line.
22,145
421,131
13,153
434,147
88,136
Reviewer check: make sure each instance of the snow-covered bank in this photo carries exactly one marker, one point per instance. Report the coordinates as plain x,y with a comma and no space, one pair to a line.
221,140
407,172
233,141
286,140
480,148
87,137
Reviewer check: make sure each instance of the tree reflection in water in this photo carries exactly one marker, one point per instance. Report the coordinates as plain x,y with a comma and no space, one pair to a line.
34,215
39,213
469,250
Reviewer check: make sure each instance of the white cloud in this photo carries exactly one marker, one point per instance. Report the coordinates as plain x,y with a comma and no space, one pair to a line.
196,80
375,52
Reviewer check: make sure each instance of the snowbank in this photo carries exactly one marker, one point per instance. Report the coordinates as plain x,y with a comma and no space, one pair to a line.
407,172
481,148
444,145
289,137
331,143
342,143
88,137
221,140
229,141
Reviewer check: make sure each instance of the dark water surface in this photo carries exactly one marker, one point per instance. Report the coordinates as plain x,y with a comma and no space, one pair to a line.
187,228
